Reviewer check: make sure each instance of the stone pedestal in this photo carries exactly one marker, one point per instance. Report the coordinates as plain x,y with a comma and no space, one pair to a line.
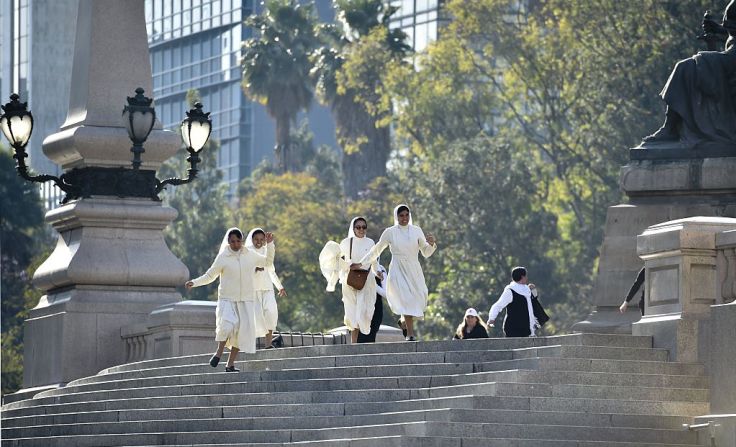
681,283
661,187
111,266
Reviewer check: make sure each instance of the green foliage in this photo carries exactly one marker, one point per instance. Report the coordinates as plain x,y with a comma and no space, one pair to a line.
348,72
565,87
22,237
204,214
276,66
480,240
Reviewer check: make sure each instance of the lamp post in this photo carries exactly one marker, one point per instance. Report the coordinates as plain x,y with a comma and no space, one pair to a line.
139,117
16,123
195,131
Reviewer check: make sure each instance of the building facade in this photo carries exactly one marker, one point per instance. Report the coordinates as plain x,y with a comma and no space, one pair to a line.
36,55
197,45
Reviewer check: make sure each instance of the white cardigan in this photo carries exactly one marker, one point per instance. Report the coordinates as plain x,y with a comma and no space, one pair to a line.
236,271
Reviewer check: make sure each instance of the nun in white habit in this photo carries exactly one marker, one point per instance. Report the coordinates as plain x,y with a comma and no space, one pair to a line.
235,313
359,304
267,313
406,289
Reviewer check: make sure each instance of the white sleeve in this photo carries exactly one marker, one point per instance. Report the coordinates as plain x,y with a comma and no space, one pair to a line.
211,274
375,252
274,277
503,301
262,260
424,247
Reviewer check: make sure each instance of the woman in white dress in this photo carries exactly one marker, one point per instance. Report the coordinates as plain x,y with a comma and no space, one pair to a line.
235,314
267,313
406,289
359,304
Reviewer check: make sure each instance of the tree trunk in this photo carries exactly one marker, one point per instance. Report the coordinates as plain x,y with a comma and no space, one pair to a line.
363,166
283,143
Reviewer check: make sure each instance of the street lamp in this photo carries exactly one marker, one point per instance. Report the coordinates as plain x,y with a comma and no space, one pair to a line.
139,117
195,131
16,123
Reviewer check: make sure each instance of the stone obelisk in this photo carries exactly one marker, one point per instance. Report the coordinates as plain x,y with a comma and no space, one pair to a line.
111,265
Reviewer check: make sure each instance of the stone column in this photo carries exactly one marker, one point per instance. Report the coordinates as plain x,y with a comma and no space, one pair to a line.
110,267
681,283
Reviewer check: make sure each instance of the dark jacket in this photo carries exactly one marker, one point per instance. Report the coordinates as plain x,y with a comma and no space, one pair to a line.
477,332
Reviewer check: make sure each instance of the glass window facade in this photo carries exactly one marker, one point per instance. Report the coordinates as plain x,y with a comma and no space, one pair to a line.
196,45
419,19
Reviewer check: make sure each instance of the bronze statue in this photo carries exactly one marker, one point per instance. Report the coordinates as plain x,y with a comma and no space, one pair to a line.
701,92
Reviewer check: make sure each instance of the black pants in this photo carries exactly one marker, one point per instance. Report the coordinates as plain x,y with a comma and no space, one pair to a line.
375,323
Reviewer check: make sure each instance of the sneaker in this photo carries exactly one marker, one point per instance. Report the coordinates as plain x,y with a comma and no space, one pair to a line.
411,338
214,361
231,369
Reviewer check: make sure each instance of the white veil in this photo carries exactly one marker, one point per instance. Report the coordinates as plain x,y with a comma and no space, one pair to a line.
396,214
351,230
249,241
224,245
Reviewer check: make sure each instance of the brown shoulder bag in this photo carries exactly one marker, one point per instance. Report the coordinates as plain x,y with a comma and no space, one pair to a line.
356,278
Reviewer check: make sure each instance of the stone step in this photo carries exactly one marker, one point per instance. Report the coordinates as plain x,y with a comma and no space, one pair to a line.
443,429
596,365
560,404
441,374
402,359
399,358
559,432
377,401
435,385
332,415
436,441
429,346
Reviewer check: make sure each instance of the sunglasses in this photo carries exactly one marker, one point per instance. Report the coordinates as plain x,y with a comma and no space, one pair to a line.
361,227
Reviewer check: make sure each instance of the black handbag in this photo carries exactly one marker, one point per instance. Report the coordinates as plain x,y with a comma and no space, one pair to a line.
356,278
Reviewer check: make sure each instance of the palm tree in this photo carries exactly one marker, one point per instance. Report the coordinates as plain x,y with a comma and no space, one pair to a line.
365,141
276,67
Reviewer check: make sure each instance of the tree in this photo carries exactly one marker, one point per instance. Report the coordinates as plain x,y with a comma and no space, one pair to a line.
204,214
276,67
480,239
565,86
348,72
22,239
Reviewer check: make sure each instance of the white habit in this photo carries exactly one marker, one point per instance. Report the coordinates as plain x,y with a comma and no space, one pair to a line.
359,304
266,310
235,298
406,289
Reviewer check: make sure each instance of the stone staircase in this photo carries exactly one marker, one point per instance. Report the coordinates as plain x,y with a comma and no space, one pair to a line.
581,390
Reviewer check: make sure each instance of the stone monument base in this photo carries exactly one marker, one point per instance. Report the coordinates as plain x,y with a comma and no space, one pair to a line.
76,333
663,185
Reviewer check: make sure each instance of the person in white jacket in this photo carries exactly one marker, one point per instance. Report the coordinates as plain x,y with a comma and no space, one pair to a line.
235,314
359,304
406,289
267,312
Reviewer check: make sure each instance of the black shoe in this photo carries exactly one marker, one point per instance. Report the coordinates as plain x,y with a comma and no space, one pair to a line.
214,361
402,327
277,342
411,338
231,369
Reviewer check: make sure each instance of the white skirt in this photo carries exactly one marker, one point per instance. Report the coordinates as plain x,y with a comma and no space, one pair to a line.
359,305
267,313
235,324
